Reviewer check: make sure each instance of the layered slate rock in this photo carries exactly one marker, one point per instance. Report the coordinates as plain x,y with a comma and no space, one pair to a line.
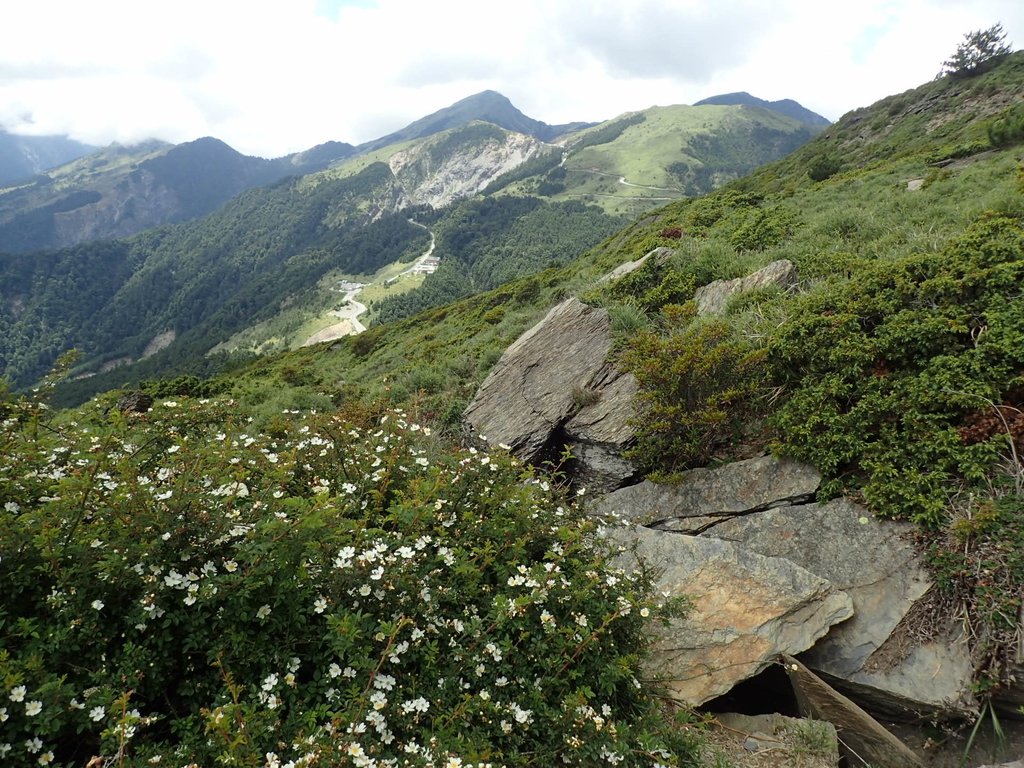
892,657
874,655
704,497
530,391
747,609
658,254
712,298
531,400
861,737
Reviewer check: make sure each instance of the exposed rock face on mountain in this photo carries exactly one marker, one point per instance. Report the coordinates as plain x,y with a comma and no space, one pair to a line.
460,163
747,609
875,656
553,388
119,191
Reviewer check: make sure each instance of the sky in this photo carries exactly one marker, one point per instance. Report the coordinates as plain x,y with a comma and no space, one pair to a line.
271,77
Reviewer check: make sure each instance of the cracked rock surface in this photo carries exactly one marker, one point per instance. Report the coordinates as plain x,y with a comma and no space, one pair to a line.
747,609
553,388
887,656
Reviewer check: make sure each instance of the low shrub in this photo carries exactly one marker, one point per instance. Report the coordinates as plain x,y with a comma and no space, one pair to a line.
179,589
699,385
879,373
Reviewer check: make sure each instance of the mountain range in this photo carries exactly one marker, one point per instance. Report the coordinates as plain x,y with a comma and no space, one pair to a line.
216,244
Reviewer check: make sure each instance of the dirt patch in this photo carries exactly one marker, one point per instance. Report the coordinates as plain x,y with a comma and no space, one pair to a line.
771,741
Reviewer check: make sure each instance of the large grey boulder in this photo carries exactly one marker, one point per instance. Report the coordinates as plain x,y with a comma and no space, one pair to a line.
553,389
871,656
747,609
535,386
712,298
705,497
880,657
601,431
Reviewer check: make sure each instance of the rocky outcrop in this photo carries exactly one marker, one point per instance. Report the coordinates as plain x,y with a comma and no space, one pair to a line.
705,497
891,657
712,298
554,389
747,609
439,179
658,254
874,656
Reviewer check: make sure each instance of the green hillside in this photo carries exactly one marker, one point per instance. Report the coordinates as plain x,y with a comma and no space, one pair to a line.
897,370
297,562
250,276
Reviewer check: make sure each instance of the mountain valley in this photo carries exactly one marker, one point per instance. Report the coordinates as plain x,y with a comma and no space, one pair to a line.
698,411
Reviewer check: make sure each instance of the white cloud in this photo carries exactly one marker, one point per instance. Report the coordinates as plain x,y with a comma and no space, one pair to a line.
275,77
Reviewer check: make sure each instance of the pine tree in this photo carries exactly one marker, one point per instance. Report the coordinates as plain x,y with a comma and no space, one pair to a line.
977,50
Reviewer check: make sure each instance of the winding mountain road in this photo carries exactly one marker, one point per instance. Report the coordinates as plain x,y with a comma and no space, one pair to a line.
348,316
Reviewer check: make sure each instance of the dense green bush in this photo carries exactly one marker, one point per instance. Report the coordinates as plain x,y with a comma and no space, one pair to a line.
880,372
823,166
1007,128
699,385
179,589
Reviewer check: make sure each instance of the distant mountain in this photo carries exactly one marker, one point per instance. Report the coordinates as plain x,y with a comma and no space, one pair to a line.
487,106
119,191
260,254
786,107
642,160
318,157
21,157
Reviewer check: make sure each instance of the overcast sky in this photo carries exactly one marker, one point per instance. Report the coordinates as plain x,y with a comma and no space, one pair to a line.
273,77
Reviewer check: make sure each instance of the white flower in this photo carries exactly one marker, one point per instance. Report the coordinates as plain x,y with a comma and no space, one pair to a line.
33,745
230,566
33,708
645,611
334,670
11,506
5,748
263,612
453,762
273,761
320,605
174,449
3,714
269,682
18,693
97,713
46,758
422,461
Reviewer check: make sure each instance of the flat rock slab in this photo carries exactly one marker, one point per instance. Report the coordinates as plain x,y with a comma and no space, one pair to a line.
863,739
712,298
705,496
530,391
659,254
875,562
747,609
